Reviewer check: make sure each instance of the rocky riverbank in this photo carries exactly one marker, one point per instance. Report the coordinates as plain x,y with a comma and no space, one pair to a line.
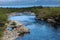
17,29
51,20
10,35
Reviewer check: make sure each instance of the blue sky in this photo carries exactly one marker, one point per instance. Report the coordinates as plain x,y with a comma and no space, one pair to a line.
28,2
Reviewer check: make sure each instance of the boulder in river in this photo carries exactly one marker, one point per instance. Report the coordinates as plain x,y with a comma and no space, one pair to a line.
22,29
51,20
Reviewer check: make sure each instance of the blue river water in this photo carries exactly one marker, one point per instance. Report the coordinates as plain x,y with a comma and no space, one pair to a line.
39,30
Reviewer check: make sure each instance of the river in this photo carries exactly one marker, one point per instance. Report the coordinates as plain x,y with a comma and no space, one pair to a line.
39,30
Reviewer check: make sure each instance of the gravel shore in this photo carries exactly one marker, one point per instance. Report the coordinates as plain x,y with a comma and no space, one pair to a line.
10,35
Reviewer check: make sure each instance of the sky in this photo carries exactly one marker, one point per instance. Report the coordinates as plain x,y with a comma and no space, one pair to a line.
28,2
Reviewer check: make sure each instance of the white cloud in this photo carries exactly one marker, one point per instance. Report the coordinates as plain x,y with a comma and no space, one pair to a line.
29,2
10,0
15,0
25,0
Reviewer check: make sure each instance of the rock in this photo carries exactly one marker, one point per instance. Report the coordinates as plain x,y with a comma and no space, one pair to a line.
14,31
22,29
51,20
42,19
26,30
10,35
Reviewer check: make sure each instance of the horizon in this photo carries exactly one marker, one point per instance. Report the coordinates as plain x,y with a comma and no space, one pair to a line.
28,6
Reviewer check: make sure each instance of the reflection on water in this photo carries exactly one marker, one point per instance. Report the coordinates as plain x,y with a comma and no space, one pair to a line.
39,30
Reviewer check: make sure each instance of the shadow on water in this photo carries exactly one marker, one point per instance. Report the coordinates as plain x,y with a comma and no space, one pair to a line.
22,34
51,24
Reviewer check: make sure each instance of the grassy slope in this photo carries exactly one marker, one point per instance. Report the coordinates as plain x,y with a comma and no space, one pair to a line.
46,12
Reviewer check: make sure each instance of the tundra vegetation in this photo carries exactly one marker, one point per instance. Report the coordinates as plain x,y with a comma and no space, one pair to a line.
41,12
